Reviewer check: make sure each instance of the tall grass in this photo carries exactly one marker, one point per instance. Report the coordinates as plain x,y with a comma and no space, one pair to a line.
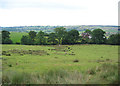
104,74
107,73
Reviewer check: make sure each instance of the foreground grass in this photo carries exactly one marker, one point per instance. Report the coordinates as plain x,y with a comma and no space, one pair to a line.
106,73
96,64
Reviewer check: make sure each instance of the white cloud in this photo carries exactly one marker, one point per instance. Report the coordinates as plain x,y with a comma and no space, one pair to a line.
58,12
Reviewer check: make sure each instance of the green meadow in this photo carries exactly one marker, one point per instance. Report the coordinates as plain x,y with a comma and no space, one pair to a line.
64,64
16,36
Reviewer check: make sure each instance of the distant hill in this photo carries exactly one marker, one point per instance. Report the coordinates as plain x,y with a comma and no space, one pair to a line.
81,28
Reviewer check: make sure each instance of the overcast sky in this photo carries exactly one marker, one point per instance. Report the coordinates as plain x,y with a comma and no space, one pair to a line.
58,12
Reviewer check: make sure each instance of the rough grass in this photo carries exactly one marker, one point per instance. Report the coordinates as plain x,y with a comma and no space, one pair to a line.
60,63
101,75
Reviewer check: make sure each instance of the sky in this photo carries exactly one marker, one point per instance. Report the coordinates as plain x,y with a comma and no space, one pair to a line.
58,12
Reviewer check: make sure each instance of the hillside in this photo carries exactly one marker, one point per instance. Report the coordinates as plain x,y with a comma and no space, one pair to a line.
109,29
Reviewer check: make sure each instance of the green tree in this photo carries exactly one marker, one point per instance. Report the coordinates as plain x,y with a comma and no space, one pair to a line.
98,36
6,38
74,35
32,35
40,38
88,31
114,39
5,34
7,41
26,40
71,37
52,38
0,37
60,33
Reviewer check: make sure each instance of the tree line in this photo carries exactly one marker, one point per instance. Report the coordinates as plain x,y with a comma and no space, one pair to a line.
61,36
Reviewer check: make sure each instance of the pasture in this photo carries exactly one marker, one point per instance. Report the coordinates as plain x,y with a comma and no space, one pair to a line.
62,64
16,36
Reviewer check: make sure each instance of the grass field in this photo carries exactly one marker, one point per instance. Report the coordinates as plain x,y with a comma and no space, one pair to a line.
16,36
60,64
